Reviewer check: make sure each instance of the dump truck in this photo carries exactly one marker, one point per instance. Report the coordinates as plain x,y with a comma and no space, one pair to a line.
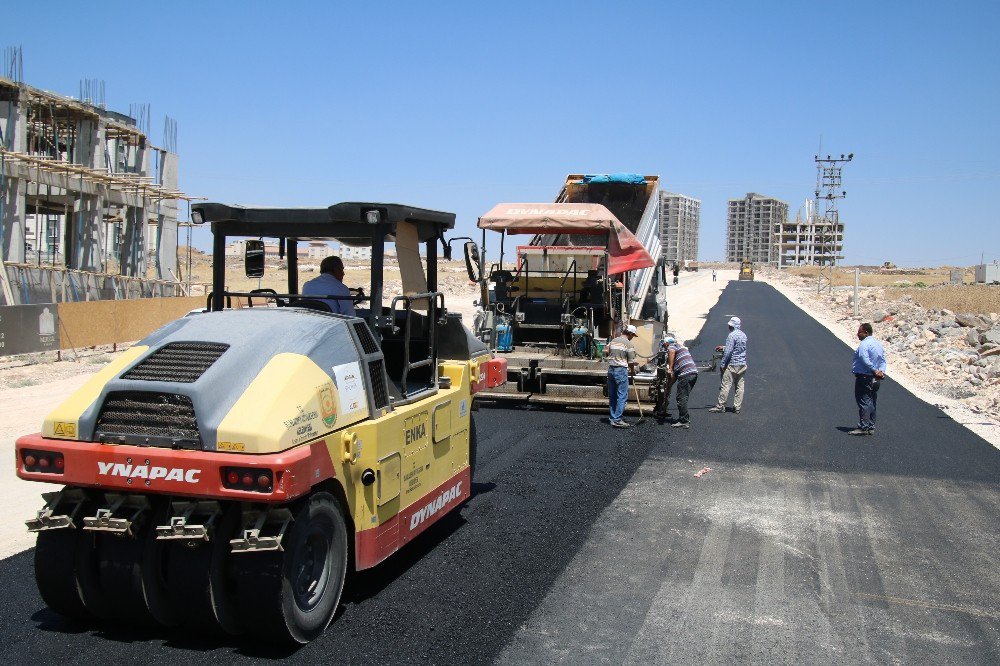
228,471
635,200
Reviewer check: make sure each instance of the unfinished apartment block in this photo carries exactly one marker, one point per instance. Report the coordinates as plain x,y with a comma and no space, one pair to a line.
810,240
680,218
752,228
88,205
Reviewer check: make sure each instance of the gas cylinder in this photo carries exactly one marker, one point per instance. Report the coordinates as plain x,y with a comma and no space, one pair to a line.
581,339
505,335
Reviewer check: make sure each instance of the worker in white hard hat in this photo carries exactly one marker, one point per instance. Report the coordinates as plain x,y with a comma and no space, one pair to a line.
732,366
621,363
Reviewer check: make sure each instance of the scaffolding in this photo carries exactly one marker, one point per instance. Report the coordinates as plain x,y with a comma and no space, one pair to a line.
84,192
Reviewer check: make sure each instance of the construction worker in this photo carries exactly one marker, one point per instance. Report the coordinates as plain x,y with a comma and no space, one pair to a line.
869,371
621,363
683,375
330,282
713,275
732,366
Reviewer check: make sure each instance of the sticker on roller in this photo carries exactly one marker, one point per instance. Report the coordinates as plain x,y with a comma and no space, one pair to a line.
350,389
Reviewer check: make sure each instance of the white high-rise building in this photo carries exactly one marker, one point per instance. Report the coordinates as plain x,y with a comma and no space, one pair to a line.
680,218
753,226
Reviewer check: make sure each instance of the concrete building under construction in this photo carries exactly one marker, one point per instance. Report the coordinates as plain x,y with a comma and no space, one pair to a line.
680,218
810,239
88,205
753,225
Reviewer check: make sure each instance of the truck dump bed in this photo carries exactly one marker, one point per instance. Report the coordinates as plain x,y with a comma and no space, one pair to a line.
635,204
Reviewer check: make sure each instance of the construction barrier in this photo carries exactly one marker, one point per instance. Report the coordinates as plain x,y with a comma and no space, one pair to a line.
108,322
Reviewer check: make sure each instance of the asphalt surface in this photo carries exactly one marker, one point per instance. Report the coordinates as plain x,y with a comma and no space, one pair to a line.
585,544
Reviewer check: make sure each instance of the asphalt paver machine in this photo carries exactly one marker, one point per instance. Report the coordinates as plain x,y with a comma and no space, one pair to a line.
550,309
228,471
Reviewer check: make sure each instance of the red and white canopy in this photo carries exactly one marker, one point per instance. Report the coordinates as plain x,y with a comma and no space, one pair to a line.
625,252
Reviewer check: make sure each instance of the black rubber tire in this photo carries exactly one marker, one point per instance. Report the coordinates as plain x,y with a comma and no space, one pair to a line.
131,571
66,570
198,582
88,576
473,448
56,560
266,583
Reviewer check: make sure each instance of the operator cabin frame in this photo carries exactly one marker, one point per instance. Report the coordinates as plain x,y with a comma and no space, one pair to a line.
358,224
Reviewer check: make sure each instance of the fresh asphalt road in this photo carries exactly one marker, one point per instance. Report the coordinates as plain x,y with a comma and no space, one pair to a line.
585,544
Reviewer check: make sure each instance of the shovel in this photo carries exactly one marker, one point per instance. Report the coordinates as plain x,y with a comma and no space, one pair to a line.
642,418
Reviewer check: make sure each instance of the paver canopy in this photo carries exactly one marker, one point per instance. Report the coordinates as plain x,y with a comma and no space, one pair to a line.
625,252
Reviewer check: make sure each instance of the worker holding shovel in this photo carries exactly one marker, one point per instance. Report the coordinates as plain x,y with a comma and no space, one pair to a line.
621,357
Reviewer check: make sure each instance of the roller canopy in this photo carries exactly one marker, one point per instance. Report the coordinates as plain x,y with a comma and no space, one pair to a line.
625,251
347,222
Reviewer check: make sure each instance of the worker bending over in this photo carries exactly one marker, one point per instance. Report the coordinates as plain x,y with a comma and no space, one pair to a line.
683,375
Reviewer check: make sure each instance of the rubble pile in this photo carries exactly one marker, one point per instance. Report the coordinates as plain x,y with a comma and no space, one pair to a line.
952,354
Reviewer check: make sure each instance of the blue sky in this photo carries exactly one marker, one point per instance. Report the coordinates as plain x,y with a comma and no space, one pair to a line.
461,105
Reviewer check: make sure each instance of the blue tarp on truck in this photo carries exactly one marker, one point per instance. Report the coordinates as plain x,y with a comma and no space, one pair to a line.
628,178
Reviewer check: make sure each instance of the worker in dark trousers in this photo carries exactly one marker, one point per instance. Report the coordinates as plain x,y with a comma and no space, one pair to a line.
683,375
869,371
621,363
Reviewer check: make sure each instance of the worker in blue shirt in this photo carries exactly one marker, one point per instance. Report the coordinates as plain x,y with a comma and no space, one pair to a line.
869,370
732,367
331,283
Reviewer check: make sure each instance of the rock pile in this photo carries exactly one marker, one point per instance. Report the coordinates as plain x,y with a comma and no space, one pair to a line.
953,354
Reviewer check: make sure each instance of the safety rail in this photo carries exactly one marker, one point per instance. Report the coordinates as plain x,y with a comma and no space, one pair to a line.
432,298
279,298
562,285
208,300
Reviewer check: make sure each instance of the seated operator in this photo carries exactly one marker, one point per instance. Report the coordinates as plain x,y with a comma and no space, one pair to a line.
330,282
591,293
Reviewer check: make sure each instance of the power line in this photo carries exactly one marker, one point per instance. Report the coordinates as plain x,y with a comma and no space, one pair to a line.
827,229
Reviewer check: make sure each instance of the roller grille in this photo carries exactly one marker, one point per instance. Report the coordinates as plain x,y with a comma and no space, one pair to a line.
368,343
180,362
147,418
376,369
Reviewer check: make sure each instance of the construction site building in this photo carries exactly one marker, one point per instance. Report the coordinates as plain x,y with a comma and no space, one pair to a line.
807,241
752,228
88,205
680,218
